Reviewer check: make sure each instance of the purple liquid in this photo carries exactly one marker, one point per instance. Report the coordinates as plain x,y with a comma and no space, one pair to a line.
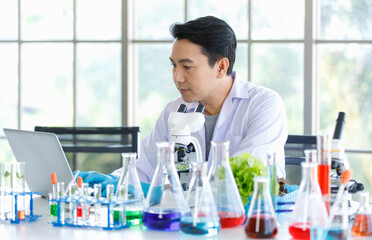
167,221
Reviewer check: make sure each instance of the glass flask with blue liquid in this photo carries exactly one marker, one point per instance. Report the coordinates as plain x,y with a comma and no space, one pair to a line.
203,218
165,202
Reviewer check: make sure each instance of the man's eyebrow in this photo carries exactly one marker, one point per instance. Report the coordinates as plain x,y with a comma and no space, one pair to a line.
182,60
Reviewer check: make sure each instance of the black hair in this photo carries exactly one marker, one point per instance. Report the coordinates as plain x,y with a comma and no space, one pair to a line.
216,38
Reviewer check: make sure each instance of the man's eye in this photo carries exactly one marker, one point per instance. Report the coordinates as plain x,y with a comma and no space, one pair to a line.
187,67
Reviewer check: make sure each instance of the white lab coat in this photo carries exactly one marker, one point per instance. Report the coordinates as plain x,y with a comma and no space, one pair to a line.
252,118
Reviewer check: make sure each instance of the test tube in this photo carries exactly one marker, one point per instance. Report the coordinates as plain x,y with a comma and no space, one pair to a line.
73,194
53,197
119,211
7,198
60,196
79,211
97,206
85,204
18,186
110,193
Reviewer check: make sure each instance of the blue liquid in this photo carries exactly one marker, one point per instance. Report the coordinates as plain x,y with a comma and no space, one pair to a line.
167,221
334,233
203,226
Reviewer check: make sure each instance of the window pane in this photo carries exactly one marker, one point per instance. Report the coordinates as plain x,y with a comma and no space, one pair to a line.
278,19
347,19
47,19
346,85
46,85
361,167
155,83
235,13
8,86
241,61
98,84
153,18
8,19
97,19
6,154
280,67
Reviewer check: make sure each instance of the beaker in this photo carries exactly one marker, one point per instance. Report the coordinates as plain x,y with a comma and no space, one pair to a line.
362,225
261,221
165,202
132,190
204,219
309,210
225,192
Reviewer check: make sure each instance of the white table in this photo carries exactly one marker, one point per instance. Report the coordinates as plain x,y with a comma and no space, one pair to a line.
41,229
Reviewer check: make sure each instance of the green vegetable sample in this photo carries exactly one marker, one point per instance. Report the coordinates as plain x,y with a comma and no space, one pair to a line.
245,167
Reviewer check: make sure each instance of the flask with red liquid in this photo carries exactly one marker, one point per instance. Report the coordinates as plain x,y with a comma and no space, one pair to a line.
362,225
225,192
261,221
309,210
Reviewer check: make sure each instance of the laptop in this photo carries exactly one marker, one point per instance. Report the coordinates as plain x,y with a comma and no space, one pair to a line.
43,154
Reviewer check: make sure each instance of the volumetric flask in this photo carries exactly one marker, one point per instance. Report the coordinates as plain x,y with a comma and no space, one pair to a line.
165,203
362,225
131,189
261,221
310,210
204,219
226,195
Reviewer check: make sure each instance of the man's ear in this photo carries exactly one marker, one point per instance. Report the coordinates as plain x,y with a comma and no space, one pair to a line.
222,66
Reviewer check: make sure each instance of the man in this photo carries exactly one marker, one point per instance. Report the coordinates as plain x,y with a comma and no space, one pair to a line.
251,117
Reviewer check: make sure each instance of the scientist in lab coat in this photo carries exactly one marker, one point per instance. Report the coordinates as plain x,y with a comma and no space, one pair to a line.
250,116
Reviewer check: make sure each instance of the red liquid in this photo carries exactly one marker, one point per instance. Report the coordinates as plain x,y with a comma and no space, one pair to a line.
297,232
362,225
266,228
79,212
230,220
21,215
324,178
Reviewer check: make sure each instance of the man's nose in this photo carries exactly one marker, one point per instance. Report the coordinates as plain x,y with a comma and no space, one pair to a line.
178,76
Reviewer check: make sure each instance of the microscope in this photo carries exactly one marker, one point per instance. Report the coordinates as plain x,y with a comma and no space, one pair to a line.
338,164
187,147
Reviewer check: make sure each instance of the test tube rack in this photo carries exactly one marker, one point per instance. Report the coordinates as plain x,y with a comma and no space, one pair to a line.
15,218
108,205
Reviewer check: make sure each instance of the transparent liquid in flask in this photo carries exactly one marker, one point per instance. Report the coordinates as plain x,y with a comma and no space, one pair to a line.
165,202
261,221
131,189
362,225
226,194
310,210
203,218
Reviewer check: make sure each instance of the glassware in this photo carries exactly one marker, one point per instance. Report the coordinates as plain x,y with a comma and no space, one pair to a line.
97,205
110,195
324,164
226,195
74,198
261,221
131,189
60,196
204,219
362,225
309,210
310,155
271,163
85,205
19,187
119,211
165,202
6,188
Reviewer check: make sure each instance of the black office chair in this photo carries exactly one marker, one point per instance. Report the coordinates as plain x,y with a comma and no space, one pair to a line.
294,155
81,144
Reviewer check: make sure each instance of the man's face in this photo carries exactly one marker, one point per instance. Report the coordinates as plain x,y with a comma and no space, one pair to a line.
195,79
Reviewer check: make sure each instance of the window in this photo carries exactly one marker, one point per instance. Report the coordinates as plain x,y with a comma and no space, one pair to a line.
90,63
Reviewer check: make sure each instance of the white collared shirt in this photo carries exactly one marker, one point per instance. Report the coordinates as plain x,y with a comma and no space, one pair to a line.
252,118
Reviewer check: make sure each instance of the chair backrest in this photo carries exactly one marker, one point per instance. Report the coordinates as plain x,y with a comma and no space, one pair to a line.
294,155
95,139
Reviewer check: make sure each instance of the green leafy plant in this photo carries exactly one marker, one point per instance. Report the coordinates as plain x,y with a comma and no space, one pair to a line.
245,167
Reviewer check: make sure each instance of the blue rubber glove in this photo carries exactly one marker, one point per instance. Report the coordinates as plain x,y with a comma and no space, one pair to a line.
92,178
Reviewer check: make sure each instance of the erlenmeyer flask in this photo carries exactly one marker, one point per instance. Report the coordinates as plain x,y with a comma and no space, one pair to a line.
261,221
310,208
204,218
132,190
165,203
225,192
362,225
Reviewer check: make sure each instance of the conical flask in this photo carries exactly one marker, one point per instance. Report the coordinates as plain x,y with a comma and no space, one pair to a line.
362,225
204,219
261,221
310,210
225,192
133,194
165,202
